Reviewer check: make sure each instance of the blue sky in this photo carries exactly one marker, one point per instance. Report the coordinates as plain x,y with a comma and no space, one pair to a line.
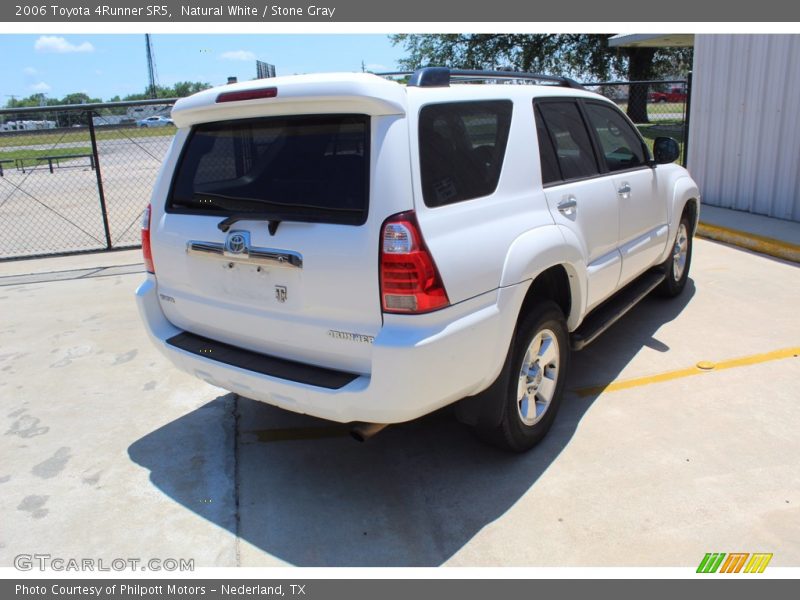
107,65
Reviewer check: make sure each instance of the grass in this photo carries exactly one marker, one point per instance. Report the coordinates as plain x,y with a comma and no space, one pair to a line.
654,109
11,139
28,157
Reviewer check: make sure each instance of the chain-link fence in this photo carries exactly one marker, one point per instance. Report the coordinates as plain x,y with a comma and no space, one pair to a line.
76,179
657,108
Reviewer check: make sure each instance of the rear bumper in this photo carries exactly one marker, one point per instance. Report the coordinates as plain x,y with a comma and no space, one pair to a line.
420,363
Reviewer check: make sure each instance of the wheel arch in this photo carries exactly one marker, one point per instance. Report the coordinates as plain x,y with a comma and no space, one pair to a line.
538,259
552,261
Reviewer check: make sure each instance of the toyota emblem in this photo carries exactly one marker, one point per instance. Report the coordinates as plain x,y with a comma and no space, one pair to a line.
237,243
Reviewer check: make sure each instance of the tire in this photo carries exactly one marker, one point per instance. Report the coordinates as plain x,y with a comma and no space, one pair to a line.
540,335
677,265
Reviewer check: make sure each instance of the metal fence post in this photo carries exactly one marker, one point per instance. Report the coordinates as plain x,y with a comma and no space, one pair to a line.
98,174
686,118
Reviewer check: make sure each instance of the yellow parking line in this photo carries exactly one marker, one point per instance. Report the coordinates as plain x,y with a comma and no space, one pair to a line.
699,369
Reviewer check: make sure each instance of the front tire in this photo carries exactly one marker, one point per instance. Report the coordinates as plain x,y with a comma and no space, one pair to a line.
677,265
535,369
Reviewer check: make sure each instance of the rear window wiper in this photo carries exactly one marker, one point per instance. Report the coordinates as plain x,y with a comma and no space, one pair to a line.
272,221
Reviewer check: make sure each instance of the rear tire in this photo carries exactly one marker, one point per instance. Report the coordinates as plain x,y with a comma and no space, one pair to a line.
677,265
536,368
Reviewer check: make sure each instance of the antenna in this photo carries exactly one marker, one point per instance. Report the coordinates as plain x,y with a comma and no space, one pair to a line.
151,68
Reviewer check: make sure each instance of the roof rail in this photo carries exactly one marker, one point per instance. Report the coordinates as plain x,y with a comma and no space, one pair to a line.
443,76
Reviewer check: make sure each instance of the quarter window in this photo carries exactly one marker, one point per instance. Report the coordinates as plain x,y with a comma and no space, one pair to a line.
461,149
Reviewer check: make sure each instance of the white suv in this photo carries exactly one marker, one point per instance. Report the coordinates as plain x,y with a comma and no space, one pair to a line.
368,252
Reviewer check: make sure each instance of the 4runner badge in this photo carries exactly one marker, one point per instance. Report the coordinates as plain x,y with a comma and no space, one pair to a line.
280,293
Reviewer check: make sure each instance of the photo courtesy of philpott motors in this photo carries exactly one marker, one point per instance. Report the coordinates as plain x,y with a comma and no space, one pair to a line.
109,589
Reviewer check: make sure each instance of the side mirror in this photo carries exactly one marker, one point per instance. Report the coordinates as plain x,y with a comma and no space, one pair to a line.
665,150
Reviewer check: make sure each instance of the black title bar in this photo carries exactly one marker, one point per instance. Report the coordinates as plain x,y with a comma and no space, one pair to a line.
441,11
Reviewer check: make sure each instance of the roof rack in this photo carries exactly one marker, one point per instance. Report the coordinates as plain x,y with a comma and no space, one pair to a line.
443,76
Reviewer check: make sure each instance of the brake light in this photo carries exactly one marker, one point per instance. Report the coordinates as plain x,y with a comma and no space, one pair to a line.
147,252
410,282
270,92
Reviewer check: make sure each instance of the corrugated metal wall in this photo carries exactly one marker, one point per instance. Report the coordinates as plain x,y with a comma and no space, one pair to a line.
744,130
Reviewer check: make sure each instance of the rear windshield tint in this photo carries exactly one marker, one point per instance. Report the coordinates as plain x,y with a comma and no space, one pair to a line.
461,147
301,168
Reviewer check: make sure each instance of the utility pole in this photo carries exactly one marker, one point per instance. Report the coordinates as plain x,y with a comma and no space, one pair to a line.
151,68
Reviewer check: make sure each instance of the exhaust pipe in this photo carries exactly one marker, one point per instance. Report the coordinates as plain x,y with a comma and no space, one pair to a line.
364,431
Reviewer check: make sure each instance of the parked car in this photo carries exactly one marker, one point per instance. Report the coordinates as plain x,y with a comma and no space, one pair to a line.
675,94
156,121
368,252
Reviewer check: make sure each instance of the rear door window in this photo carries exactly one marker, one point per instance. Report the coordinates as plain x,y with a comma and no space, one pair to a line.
568,135
304,168
462,146
551,172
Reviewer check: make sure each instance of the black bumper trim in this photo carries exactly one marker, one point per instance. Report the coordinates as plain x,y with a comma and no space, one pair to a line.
261,363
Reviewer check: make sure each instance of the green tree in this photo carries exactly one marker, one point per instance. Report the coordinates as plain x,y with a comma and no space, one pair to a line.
180,90
78,98
581,56
187,88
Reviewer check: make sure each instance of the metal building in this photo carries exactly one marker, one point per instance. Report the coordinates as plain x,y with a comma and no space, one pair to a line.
744,128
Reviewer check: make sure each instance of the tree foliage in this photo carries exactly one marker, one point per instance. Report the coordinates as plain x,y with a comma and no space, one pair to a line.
179,90
580,56
570,54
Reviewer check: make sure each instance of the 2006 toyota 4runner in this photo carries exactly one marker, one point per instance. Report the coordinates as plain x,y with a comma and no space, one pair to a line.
368,252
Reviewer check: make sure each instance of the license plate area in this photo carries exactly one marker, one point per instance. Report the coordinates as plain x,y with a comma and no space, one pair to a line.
263,276
244,281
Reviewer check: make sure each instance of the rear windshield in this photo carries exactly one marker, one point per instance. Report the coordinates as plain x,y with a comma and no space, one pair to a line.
301,168
461,149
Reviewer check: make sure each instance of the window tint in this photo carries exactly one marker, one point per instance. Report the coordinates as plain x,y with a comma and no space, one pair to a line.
461,148
621,145
571,140
307,168
547,154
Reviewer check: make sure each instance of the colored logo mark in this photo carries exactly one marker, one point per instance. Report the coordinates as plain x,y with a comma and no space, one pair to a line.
734,562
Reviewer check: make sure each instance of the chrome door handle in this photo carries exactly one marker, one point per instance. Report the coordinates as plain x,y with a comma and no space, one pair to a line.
568,205
624,190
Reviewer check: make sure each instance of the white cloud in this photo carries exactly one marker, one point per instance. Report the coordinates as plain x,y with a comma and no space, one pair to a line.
29,71
40,87
238,55
58,45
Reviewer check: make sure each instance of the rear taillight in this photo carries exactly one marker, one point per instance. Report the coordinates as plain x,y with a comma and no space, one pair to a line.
410,282
147,252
